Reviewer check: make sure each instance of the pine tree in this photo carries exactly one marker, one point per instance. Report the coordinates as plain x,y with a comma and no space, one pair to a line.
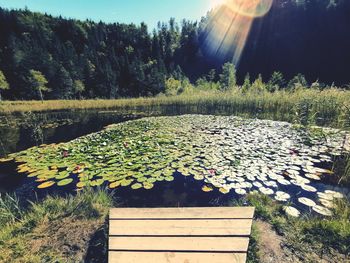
299,81
276,82
246,85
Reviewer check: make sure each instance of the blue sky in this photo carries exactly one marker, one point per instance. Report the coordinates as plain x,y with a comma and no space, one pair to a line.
136,11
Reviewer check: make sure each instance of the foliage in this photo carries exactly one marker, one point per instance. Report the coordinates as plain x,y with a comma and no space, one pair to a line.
258,86
246,85
276,82
298,82
38,82
126,60
228,76
172,86
3,83
79,87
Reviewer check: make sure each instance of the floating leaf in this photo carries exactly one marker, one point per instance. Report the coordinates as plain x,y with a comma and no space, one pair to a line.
46,184
62,175
65,182
322,210
126,182
148,185
169,178
224,190
114,184
306,201
291,211
81,184
207,188
136,186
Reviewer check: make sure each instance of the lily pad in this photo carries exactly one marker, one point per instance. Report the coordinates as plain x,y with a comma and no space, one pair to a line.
136,186
65,182
207,188
291,211
46,184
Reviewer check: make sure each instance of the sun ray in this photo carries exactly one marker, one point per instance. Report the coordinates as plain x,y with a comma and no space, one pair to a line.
227,29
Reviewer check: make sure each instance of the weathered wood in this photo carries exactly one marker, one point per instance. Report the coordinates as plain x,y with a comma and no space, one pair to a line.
183,213
185,235
178,257
205,244
199,227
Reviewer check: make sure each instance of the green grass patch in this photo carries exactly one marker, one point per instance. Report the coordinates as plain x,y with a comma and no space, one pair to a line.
38,231
308,233
305,106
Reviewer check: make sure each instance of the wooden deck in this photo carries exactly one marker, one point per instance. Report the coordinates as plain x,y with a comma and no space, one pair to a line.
179,235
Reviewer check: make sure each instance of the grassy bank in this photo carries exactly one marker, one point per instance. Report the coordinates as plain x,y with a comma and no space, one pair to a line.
328,107
56,229
63,229
304,239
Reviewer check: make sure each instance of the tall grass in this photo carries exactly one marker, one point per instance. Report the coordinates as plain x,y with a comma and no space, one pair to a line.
23,224
327,106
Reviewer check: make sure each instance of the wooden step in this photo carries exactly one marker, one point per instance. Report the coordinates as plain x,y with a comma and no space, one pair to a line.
171,257
172,235
200,227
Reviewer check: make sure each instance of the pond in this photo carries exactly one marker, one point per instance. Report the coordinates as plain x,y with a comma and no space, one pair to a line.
190,160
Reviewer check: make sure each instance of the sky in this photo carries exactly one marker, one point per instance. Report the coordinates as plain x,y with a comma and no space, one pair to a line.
127,11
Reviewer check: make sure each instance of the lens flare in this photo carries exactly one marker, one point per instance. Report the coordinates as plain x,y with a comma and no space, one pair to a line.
250,8
228,27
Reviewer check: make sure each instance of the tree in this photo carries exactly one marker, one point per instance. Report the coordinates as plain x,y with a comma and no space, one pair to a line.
79,87
38,82
228,77
3,83
276,82
246,85
258,85
172,86
298,81
63,84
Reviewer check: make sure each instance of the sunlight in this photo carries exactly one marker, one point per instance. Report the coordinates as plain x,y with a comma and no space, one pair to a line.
216,3
229,25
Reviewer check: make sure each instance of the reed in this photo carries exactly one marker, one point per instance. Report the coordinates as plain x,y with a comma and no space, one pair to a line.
324,107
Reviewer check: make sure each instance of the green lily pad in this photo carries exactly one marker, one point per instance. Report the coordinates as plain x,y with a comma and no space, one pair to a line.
136,186
65,182
148,185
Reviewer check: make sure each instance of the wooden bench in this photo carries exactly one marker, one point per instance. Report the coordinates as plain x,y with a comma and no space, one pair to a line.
173,235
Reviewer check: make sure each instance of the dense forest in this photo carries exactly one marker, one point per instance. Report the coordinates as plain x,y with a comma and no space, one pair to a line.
54,57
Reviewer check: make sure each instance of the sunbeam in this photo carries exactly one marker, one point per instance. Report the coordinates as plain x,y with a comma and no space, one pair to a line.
229,25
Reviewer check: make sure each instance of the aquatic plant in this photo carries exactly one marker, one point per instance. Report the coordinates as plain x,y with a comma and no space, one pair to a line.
231,155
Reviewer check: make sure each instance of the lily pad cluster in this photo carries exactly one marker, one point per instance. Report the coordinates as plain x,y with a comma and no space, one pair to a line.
228,154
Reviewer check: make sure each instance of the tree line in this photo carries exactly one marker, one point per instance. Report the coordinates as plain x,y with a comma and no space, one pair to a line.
45,57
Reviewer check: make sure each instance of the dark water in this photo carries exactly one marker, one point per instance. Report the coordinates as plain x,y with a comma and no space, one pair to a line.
20,132
64,126
24,131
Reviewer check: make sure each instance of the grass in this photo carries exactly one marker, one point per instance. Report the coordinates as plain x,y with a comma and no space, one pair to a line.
307,235
56,229
327,107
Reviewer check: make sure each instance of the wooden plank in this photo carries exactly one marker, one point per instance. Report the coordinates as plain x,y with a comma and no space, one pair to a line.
183,213
171,257
213,244
213,227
